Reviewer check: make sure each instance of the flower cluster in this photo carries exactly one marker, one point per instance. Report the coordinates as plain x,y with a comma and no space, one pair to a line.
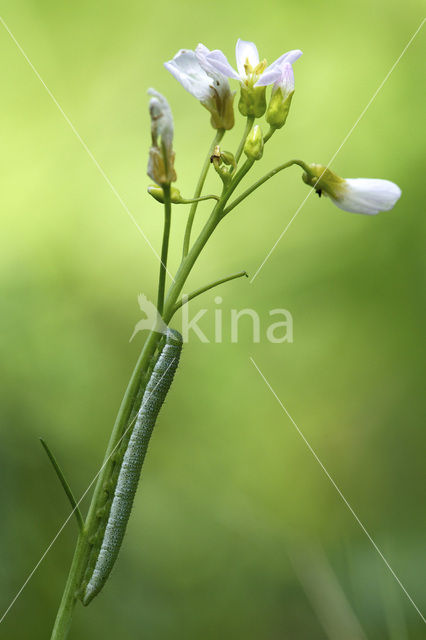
205,74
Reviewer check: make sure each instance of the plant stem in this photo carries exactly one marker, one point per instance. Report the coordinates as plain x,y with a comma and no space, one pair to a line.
236,181
188,262
75,577
192,200
211,224
249,124
200,184
70,595
164,248
207,287
269,134
266,177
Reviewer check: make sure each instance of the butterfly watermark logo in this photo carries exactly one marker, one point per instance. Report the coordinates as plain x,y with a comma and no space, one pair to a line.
276,328
152,321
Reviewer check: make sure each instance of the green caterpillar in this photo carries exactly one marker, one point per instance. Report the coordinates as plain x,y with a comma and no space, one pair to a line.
130,470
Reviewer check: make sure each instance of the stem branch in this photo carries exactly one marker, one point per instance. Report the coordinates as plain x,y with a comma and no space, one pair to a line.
249,124
192,200
200,184
164,248
206,287
266,177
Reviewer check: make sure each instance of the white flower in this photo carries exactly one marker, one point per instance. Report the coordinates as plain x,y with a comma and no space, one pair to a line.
202,80
357,195
250,70
365,195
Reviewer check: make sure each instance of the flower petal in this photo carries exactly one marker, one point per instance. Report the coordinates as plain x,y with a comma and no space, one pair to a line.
287,78
218,60
202,54
246,51
368,196
187,70
201,50
291,56
269,76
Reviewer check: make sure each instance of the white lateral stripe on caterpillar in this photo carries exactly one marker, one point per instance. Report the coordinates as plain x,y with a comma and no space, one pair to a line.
128,478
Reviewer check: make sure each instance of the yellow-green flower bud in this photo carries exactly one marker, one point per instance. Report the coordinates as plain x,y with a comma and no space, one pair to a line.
278,108
158,194
252,101
253,147
227,158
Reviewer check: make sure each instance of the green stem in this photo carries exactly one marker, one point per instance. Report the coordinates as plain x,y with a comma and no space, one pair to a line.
211,224
201,290
240,175
200,184
269,134
64,484
164,248
187,264
266,177
249,124
70,595
191,200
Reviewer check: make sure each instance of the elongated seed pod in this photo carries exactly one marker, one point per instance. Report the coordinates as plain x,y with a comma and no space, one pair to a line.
128,477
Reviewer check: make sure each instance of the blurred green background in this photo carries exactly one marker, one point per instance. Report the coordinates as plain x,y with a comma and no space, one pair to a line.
236,531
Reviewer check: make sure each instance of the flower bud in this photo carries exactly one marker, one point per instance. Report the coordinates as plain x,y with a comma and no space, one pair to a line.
227,158
158,194
253,147
252,101
278,108
281,97
218,161
161,154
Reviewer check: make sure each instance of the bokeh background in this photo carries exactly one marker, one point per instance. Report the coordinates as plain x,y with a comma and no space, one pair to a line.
236,530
